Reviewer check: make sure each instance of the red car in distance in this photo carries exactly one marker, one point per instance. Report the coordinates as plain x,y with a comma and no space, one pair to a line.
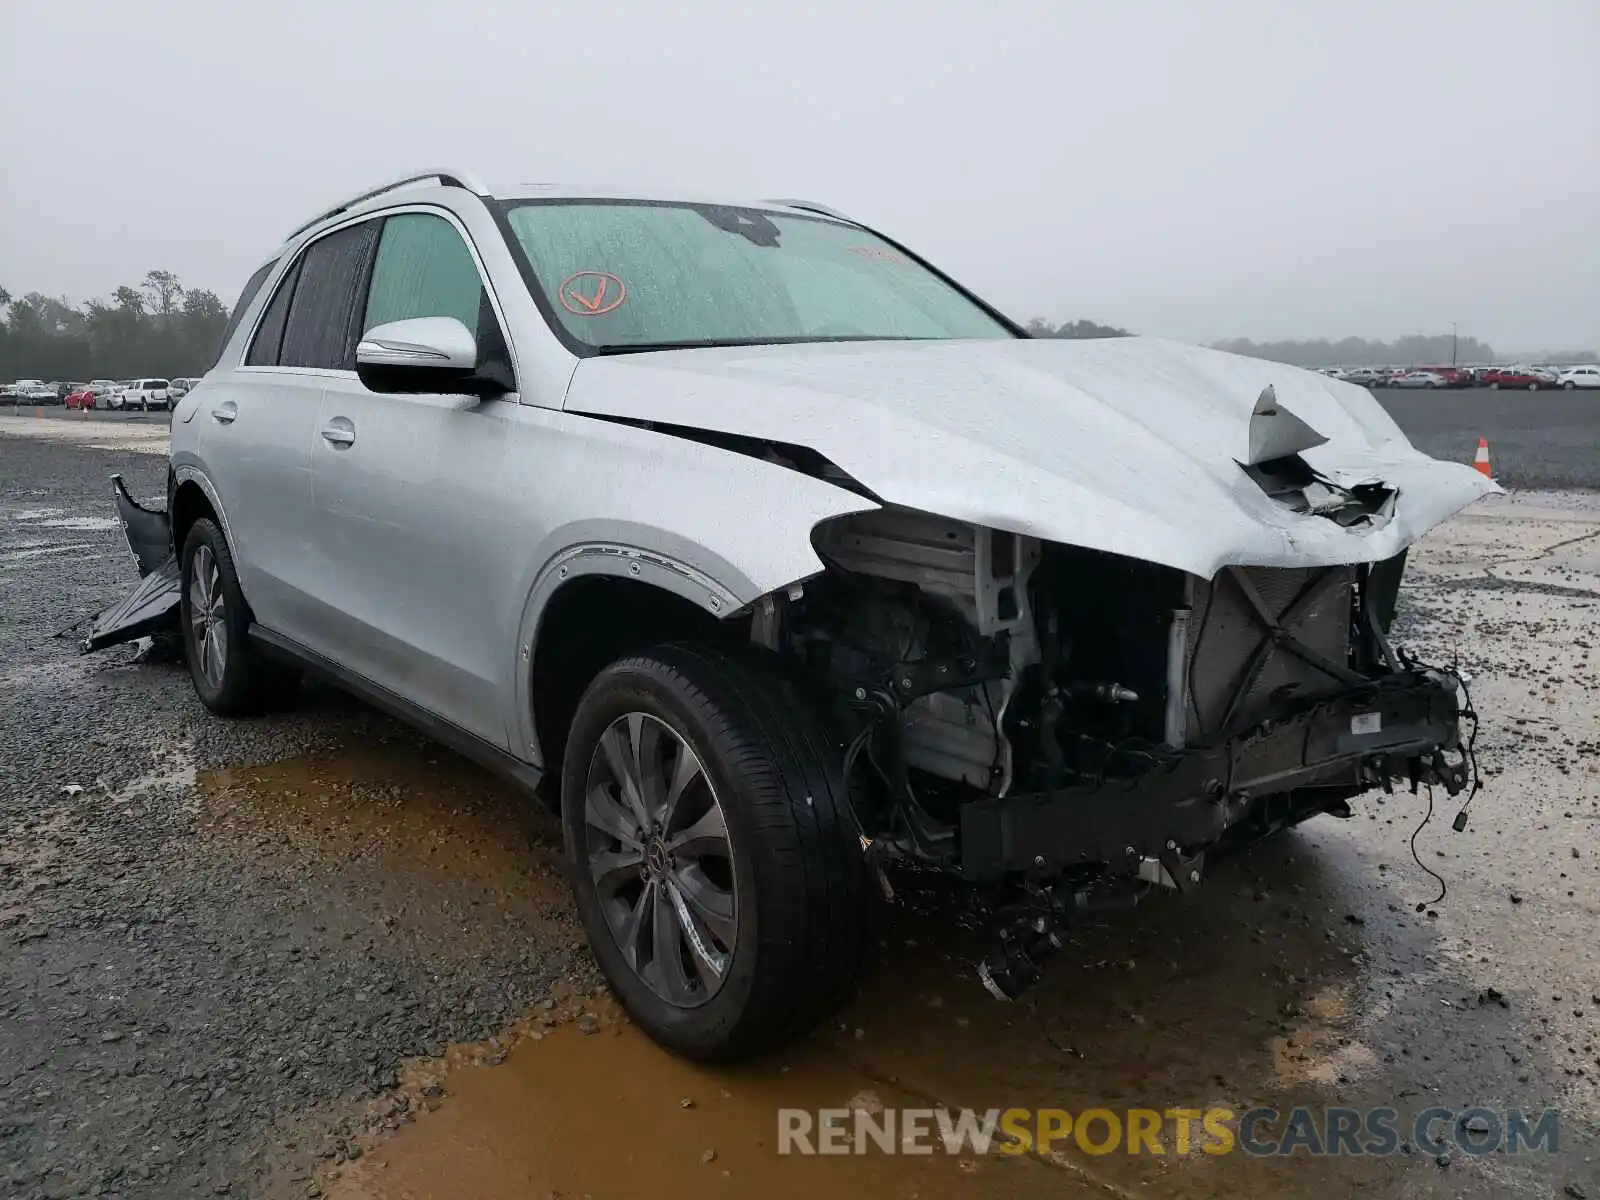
1453,376
86,397
1517,377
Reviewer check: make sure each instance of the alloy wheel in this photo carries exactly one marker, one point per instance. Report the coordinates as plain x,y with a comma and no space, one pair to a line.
207,617
655,843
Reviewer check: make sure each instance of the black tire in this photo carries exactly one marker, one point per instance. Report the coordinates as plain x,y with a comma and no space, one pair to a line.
801,901
245,683
1570,386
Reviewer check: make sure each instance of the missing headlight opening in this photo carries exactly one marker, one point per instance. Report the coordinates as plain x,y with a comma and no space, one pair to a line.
1085,726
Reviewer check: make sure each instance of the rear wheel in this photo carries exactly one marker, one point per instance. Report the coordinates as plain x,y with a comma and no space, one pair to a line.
716,868
1533,387
229,674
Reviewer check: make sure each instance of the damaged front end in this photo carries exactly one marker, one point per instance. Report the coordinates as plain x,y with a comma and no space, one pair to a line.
1082,726
151,608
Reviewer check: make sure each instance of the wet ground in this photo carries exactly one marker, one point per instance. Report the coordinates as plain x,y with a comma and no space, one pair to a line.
317,954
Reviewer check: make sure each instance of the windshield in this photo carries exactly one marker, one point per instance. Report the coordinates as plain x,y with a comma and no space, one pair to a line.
626,276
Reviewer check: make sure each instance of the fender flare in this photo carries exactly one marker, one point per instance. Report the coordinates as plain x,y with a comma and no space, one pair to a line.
601,558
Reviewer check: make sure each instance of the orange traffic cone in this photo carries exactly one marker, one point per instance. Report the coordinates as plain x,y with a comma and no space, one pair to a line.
1481,461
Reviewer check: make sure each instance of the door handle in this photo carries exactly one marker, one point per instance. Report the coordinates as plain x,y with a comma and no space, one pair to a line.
339,432
225,413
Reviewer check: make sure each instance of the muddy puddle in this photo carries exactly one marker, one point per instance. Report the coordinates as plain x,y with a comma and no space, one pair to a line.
1299,974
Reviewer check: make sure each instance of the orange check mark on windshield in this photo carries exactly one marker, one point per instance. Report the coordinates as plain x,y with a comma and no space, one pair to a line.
592,303
606,293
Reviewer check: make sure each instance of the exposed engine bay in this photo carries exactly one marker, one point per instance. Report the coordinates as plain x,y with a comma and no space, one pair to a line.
1090,725
1023,708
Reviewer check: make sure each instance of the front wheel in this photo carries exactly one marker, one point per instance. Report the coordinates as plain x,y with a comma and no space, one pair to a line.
715,864
1569,385
1533,387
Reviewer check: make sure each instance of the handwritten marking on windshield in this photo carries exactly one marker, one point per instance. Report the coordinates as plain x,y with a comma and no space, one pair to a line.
591,293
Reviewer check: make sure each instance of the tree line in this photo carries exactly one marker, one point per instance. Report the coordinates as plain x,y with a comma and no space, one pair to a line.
157,327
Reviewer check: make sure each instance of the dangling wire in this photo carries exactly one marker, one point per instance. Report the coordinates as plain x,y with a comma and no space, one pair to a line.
1417,859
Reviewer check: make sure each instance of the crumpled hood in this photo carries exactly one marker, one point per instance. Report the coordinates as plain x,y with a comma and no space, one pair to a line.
1130,445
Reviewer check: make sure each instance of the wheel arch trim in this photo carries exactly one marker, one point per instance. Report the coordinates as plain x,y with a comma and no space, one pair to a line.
187,473
601,559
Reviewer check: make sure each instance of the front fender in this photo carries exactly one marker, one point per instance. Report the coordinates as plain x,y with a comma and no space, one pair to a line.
713,526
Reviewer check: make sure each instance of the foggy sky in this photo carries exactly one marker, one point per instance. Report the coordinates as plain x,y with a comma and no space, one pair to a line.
1260,168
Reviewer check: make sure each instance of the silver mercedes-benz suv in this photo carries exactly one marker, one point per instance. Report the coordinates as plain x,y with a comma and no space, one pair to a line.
778,559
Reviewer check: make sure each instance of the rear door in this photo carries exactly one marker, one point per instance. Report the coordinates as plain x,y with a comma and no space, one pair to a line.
412,539
257,433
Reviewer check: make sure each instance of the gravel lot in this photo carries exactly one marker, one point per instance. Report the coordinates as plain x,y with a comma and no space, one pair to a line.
173,981
238,955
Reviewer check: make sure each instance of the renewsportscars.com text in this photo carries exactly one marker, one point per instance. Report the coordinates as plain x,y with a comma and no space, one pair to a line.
1259,1132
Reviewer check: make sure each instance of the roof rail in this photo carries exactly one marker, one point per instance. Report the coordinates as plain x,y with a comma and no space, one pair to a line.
446,178
814,207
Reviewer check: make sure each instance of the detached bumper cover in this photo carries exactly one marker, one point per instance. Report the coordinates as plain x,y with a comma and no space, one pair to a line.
152,607
1194,796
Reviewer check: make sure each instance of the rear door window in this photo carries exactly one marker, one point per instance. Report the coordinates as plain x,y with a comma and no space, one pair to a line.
320,329
269,333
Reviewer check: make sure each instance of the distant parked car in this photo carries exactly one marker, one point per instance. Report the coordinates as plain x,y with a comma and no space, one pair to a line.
32,391
1452,376
145,394
96,393
1366,376
1518,377
1579,377
1419,379
182,387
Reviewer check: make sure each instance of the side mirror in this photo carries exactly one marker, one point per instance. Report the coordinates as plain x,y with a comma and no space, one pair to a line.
420,355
